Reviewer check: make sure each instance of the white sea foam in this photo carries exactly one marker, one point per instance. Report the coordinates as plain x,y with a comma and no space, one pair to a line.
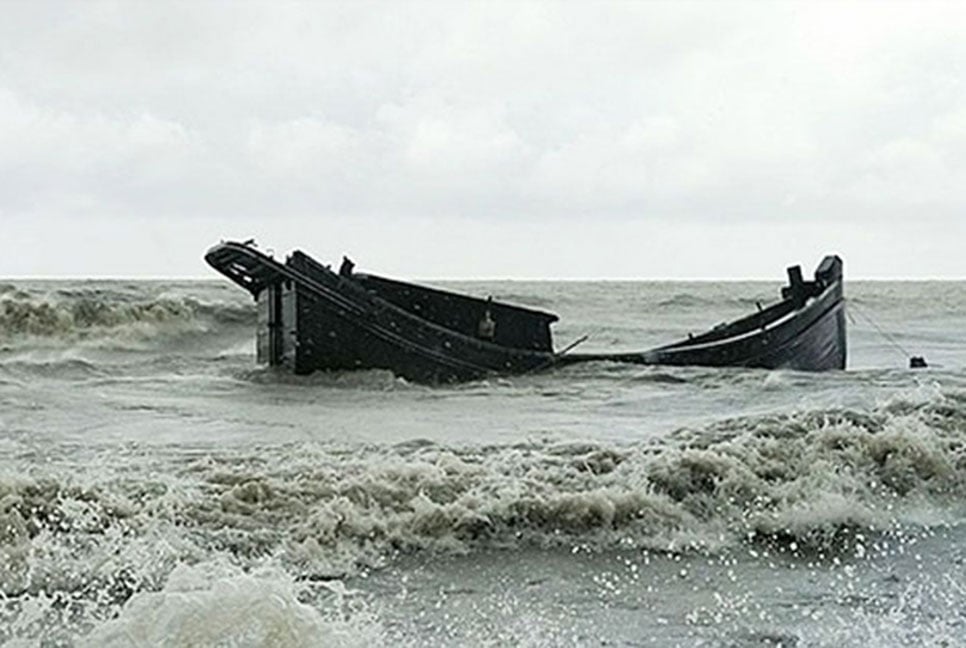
810,479
201,606
143,485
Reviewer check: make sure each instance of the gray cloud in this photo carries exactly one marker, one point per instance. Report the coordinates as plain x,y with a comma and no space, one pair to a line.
807,127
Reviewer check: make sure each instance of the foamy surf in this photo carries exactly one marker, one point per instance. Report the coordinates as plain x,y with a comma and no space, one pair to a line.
40,317
152,478
198,608
807,479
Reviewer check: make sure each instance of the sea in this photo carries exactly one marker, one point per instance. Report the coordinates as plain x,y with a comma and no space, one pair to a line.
159,488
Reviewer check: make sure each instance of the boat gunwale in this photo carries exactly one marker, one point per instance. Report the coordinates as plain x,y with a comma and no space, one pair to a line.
770,326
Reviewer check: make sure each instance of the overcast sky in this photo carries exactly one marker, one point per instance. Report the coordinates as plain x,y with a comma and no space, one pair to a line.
556,140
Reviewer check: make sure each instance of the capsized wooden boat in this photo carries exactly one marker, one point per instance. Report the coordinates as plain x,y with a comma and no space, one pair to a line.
311,318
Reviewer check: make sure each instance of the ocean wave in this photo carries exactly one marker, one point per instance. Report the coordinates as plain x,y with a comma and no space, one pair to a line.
811,484
63,368
805,481
365,380
86,314
685,301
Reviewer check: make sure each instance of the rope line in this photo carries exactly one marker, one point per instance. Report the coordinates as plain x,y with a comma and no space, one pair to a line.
889,338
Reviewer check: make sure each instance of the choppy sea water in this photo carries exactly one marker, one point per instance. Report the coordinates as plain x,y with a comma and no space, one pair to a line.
159,489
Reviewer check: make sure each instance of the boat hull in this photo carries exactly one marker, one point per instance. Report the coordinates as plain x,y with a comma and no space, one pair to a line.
812,338
316,319
311,318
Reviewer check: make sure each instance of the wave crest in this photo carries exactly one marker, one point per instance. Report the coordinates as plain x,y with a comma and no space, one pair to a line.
811,482
83,314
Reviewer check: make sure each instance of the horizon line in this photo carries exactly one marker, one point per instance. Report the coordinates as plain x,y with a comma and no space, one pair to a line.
474,278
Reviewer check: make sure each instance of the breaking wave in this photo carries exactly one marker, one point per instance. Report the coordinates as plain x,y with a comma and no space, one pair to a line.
216,605
110,539
809,481
73,315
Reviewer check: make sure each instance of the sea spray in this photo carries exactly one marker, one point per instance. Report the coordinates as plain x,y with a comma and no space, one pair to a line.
150,472
216,605
805,478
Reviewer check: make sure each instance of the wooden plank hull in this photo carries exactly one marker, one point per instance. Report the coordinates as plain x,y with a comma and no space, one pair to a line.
809,337
812,339
311,318
337,324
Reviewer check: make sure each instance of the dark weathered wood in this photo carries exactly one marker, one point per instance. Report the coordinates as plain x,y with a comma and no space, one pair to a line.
805,331
312,318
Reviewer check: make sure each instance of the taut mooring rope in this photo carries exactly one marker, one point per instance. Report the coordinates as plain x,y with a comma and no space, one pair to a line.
888,336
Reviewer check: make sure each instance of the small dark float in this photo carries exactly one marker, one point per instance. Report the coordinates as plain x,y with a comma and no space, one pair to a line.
311,318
